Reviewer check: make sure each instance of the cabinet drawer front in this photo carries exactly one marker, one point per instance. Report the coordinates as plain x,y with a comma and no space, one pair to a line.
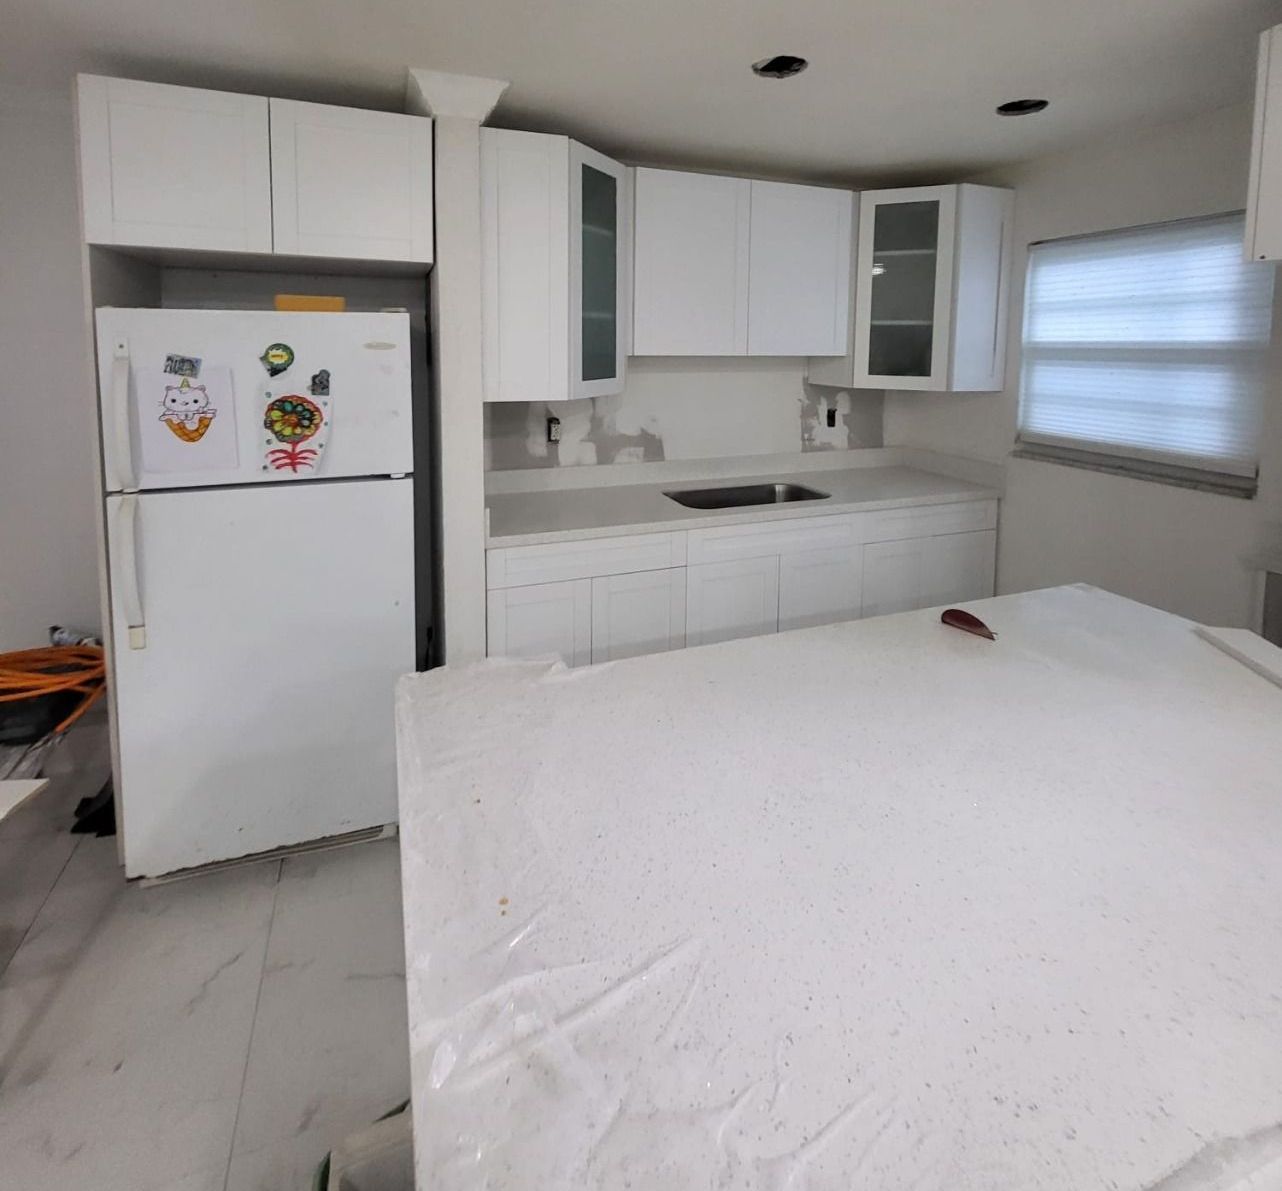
890,525
516,566
772,537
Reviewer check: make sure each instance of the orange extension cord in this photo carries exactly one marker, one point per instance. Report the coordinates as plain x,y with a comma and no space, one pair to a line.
32,672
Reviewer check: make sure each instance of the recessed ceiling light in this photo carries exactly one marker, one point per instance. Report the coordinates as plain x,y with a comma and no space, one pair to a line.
1022,107
781,66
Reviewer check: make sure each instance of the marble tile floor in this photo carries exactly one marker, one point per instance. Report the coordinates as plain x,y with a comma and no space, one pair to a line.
220,1033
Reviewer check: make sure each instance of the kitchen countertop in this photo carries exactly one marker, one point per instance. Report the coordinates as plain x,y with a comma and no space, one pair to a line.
869,905
562,515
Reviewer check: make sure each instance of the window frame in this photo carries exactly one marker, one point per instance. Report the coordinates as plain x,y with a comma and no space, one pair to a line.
1132,460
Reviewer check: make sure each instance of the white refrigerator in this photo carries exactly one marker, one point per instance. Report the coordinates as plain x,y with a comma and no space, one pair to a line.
260,560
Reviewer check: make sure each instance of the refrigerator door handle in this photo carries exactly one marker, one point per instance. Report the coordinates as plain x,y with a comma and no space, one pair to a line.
124,463
130,597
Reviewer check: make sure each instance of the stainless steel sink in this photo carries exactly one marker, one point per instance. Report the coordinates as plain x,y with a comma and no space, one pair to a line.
743,495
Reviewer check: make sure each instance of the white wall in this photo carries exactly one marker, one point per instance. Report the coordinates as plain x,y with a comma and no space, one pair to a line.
48,436
686,408
1175,548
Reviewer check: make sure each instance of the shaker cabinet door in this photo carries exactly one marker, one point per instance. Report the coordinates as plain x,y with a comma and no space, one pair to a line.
799,270
173,167
640,613
541,620
732,599
820,587
351,183
691,262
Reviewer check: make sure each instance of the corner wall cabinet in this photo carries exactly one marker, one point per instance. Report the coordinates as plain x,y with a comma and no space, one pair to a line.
931,283
182,168
556,283
738,267
608,598
1264,192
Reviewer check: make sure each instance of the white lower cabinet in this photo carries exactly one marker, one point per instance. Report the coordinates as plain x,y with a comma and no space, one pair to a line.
820,587
893,576
637,614
542,619
959,567
602,599
739,598
925,572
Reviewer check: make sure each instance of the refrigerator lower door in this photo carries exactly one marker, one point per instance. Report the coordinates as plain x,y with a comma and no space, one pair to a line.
257,636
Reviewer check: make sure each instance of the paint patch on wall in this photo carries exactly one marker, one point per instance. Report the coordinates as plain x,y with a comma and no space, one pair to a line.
855,424
685,409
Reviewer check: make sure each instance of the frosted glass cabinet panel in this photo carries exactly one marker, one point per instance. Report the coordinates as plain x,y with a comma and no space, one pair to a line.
598,274
904,282
905,270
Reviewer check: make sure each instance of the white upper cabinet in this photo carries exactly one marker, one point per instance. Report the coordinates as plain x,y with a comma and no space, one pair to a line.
732,267
1264,194
798,270
690,293
555,281
351,183
932,269
173,167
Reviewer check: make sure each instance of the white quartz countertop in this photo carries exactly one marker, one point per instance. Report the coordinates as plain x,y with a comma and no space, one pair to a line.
878,904
521,519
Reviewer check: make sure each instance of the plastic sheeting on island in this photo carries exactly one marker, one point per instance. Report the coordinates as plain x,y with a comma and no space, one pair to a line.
872,905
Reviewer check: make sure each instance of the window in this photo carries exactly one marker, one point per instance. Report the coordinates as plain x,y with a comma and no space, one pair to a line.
1147,348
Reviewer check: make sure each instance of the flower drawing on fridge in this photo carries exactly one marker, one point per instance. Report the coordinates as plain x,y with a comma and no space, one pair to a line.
294,421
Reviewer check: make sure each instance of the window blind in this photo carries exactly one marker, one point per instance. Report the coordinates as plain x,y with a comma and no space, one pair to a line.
1148,343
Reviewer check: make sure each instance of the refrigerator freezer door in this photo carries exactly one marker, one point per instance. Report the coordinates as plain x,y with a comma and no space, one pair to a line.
256,709
186,393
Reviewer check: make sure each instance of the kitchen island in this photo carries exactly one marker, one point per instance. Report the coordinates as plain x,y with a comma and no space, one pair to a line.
872,904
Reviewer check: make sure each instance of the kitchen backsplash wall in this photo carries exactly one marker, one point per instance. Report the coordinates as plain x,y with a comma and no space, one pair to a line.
686,409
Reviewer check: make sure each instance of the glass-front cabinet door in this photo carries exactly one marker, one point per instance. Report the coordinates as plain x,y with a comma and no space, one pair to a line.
599,243
903,291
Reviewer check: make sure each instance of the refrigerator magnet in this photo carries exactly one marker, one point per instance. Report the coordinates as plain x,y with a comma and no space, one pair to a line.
188,366
320,384
297,431
277,357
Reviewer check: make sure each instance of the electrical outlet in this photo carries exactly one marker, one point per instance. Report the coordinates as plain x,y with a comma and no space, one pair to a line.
554,429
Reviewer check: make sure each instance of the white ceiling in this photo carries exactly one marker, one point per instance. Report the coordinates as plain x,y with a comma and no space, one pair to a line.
897,89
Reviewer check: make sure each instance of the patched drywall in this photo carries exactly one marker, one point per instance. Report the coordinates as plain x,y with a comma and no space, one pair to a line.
686,409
